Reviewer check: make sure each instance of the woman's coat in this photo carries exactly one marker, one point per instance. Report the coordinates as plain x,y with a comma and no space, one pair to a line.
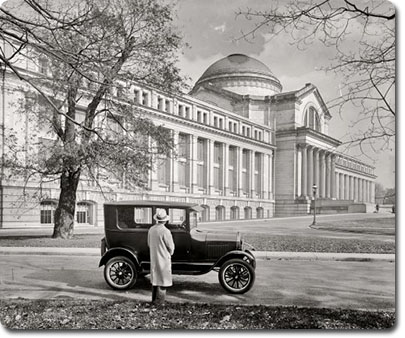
161,248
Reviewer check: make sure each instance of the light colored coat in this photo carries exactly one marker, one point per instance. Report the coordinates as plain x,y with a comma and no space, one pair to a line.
161,248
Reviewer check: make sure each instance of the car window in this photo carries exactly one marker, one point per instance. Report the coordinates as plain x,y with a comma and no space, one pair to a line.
177,216
193,219
134,217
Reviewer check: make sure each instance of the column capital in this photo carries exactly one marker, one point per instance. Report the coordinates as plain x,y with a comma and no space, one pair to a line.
302,145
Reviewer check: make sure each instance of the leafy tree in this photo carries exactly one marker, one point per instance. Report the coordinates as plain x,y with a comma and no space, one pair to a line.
89,53
363,36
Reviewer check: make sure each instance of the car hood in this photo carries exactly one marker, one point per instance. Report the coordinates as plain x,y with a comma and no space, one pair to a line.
217,236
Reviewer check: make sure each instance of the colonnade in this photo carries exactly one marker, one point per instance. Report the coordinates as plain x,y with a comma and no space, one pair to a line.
317,166
209,167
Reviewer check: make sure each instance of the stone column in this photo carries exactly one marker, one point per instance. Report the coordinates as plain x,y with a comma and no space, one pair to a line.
193,163
364,191
332,176
351,188
271,175
304,170
225,171
355,189
174,165
261,176
239,154
210,166
328,176
310,176
252,169
322,176
342,186
265,176
337,185
316,169
347,187
298,166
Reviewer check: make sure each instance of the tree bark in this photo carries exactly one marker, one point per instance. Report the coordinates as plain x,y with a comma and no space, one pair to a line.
65,212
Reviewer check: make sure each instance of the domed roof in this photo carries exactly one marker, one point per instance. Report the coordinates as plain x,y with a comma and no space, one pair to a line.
238,66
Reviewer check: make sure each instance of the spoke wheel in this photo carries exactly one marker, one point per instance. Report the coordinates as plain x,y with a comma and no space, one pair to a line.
120,273
236,276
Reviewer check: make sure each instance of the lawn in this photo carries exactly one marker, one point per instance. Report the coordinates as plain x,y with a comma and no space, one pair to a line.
261,241
94,314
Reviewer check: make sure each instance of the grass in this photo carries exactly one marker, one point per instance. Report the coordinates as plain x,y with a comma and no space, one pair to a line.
261,241
66,313
101,314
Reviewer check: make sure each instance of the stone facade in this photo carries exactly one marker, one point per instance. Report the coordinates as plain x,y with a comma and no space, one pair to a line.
245,150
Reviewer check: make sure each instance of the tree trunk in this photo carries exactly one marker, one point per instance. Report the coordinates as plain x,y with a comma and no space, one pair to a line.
65,212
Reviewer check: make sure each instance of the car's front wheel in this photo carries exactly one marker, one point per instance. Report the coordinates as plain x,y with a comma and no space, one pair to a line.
120,273
236,276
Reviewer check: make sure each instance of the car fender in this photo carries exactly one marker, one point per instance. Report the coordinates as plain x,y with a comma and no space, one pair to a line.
245,255
119,252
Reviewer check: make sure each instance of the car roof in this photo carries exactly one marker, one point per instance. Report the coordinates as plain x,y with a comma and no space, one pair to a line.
155,203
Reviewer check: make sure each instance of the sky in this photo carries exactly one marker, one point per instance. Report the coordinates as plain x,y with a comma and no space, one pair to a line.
213,31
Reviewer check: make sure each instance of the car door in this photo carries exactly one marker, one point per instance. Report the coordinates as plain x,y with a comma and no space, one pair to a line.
180,232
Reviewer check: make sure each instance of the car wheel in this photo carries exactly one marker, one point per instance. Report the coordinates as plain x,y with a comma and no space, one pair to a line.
120,273
236,276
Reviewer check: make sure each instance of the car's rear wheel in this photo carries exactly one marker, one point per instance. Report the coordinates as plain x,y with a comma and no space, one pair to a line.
120,273
236,276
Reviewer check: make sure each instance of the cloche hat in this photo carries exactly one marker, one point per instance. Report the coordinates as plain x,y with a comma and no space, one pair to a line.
161,216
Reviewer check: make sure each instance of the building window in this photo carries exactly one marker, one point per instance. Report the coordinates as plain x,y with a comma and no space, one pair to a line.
215,122
160,103
232,165
163,171
248,212
234,212
47,212
199,119
245,166
219,213
145,97
182,167
84,213
311,119
258,163
259,212
183,145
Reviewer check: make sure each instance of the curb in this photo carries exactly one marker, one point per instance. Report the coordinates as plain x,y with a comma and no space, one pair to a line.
323,256
259,255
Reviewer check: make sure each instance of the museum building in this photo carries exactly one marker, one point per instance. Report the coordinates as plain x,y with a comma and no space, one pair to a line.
245,150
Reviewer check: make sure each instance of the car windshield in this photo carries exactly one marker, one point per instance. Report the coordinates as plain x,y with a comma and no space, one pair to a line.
193,220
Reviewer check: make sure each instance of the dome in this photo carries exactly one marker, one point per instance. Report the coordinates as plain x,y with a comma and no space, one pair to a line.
241,74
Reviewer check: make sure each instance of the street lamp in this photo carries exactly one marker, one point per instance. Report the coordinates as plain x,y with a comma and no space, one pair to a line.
314,189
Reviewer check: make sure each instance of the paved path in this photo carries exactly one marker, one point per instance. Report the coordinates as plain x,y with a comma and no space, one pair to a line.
260,255
346,284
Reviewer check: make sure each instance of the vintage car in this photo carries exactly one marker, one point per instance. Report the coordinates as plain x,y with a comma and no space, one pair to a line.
125,252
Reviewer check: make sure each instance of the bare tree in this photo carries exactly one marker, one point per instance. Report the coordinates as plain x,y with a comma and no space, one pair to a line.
363,35
89,52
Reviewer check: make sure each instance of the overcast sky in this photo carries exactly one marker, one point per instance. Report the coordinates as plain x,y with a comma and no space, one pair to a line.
211,29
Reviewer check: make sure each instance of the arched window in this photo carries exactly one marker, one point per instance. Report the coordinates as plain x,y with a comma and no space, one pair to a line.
234,212
219,213
248,212
259,212
311,119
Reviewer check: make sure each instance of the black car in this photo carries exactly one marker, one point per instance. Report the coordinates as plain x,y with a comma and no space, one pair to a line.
125,252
